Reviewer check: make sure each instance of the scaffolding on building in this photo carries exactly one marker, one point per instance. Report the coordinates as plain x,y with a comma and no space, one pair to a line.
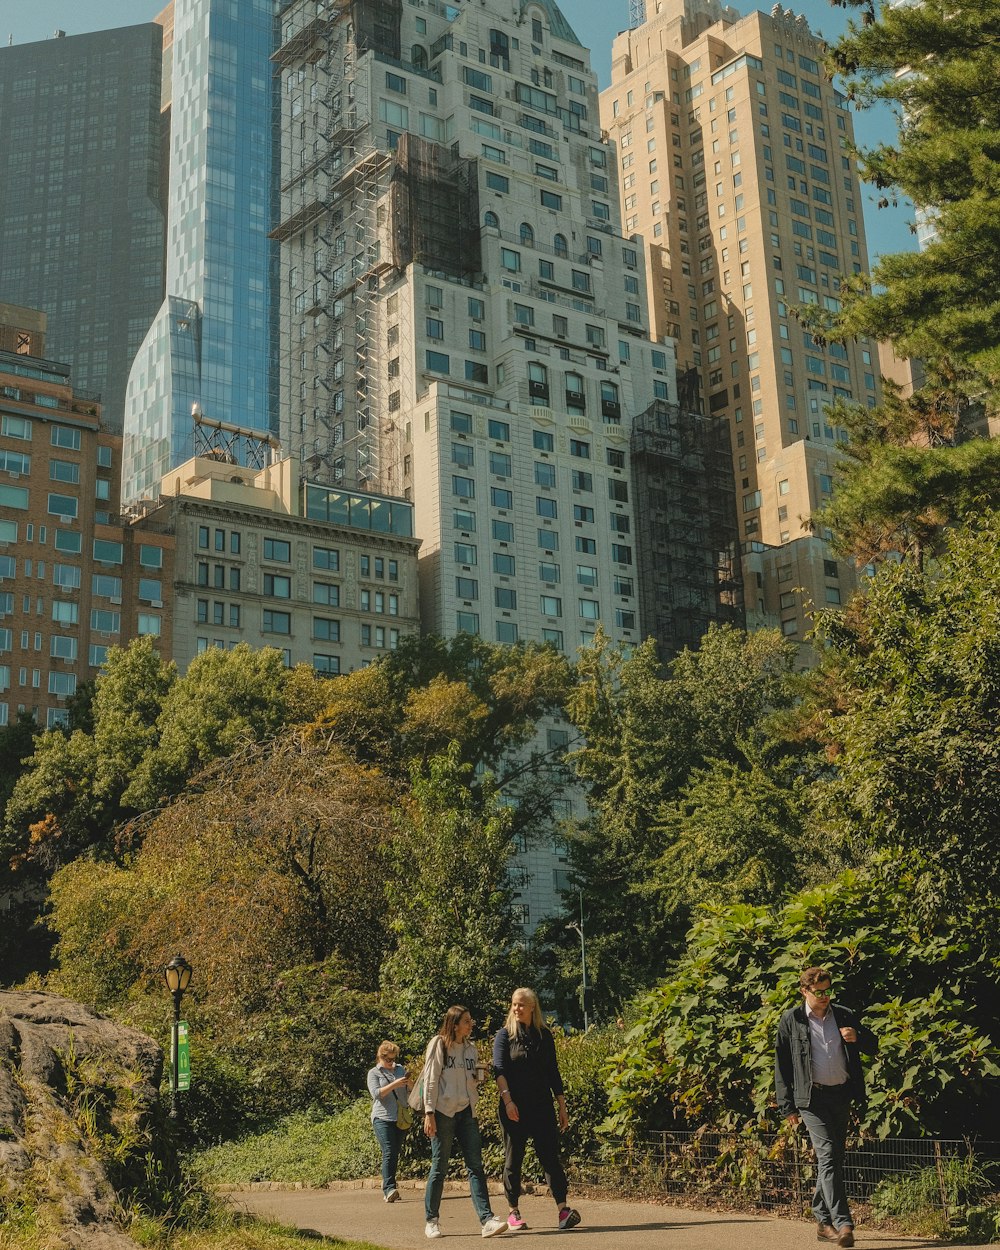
434,209
334,179
687,542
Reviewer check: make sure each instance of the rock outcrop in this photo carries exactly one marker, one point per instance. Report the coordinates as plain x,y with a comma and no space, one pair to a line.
77,1092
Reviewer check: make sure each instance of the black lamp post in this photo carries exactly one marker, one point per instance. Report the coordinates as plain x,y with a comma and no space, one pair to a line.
177,975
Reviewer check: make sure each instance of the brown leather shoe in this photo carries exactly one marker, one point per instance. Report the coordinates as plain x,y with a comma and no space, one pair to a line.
845,1235
826,1232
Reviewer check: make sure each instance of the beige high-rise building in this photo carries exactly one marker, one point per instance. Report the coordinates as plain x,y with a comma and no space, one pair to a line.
734,167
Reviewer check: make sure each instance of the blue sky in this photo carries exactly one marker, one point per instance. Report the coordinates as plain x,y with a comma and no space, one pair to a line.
595,23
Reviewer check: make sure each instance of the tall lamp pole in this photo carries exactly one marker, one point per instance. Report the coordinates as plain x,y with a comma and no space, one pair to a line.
177,975
578,928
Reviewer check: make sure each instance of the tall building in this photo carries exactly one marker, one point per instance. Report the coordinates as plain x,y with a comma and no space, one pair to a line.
81,214
209,346
462,319
734,156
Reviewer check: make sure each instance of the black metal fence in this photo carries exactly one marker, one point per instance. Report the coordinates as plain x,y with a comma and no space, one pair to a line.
776,1172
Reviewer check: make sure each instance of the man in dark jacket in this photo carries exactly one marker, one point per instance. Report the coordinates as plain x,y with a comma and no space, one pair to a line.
817,1075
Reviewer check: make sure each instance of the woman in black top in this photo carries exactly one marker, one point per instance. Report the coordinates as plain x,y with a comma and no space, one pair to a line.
524,1060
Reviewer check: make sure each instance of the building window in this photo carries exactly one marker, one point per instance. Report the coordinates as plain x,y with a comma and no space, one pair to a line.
277,587
276,622
277,549
326,558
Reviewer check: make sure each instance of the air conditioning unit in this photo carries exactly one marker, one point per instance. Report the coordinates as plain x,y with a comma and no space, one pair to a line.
66,520
116,598
156,603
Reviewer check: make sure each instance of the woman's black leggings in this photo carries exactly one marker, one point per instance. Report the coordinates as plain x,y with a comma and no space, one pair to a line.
545,1139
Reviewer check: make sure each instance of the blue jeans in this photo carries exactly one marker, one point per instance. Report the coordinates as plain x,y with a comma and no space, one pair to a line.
388,1136
826,1121
463,1129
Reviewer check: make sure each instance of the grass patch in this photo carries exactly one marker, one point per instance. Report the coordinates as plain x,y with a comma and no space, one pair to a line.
258,1235
309,1147
20,1228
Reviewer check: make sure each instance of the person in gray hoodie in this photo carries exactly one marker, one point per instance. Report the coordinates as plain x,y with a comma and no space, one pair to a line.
451,1077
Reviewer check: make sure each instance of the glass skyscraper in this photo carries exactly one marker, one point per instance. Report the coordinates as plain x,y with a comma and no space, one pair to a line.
210,344
81,217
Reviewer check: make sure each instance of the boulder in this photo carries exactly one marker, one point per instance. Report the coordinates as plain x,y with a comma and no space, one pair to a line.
77,1093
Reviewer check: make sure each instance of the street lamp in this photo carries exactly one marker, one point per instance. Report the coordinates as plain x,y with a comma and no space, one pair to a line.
578,928
177,975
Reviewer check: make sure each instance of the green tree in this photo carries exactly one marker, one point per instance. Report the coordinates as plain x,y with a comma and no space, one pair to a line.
646,730
909,471
737,834
431,692
71,792
916,723
267,873
449,899
895,498
937,65
485,702
224,699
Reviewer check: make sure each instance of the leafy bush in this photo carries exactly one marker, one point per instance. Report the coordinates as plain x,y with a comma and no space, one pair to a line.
702,1052
982,1225
308,1146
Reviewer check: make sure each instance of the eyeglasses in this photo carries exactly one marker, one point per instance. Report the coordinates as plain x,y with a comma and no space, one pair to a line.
818,993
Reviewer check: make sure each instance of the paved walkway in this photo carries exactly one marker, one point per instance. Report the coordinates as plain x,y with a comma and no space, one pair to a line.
360,1214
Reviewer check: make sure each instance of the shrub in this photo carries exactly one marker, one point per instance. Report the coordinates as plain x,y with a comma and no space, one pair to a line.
702,1051
308,1146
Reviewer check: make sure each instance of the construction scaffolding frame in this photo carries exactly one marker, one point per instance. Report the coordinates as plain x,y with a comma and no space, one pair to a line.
334,179
687,542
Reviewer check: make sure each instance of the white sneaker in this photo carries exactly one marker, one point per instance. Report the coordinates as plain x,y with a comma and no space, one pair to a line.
432,1229
392,1195
494,1226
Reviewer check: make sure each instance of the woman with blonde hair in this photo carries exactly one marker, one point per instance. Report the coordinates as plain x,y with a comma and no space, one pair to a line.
524,1060
451,1091
388,1084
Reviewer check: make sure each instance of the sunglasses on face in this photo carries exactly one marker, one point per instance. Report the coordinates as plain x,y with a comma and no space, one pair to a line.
818,993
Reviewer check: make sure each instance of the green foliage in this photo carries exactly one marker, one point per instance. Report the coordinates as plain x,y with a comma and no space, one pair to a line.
939,304
960,1182
916,725
95,907
665,750
315,1040
449,899
900,499
982,1225
735,834
307,1146
702,1051
225,699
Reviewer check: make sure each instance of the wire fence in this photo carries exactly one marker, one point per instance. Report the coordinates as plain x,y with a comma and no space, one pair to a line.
777,1172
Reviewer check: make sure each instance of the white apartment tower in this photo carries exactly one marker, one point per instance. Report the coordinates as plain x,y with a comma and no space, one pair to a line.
463,321
734,163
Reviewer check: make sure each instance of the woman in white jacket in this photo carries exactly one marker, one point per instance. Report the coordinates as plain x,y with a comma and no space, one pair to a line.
451,1092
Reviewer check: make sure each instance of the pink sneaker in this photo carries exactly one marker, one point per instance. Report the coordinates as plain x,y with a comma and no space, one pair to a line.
514,1221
